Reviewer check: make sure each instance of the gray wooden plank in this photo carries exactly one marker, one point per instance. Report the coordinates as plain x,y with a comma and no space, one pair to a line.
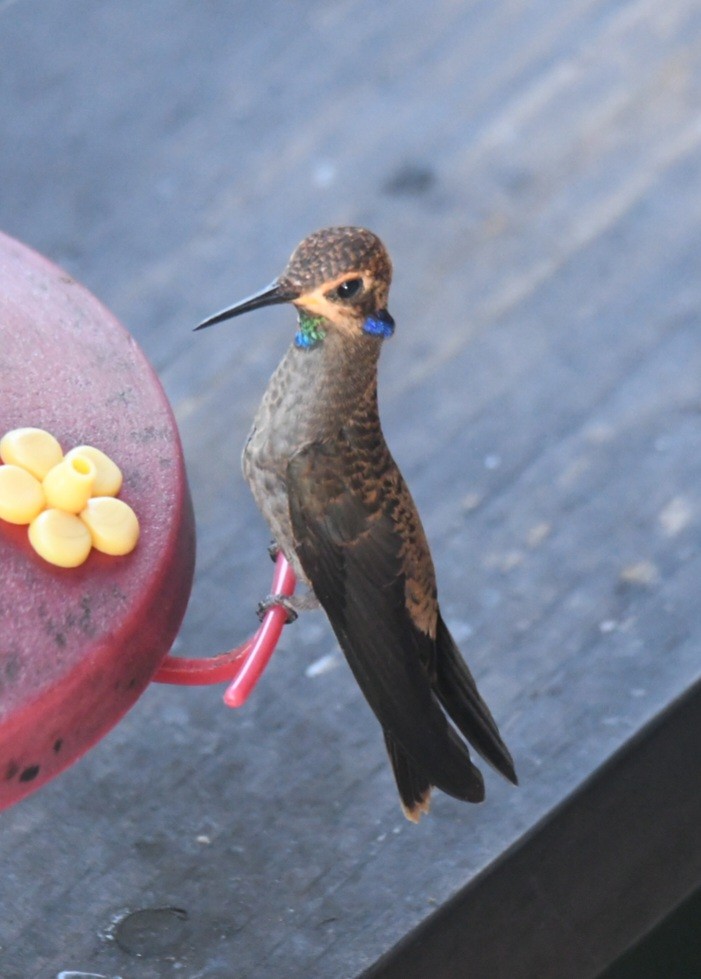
535,171
625,855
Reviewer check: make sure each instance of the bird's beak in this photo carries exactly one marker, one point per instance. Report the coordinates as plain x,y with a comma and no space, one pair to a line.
272,294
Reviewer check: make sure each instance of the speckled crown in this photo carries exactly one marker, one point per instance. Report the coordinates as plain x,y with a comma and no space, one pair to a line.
330,252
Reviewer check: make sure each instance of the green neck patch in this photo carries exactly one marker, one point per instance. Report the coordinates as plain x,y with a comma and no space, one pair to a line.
310,332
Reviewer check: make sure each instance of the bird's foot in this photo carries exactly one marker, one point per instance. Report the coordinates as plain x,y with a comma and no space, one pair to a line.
273,550
271,601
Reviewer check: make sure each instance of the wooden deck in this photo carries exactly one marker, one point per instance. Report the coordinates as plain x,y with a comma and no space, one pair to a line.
535,170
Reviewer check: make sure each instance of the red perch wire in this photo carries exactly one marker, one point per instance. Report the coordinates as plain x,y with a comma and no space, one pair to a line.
244,665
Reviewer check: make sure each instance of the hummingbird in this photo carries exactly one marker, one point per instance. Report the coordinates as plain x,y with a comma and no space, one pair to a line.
338,508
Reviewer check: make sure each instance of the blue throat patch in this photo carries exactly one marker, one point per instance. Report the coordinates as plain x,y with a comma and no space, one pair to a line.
379,325
311,332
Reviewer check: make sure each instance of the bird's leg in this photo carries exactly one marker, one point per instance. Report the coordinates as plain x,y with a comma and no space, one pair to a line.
293,604
270,601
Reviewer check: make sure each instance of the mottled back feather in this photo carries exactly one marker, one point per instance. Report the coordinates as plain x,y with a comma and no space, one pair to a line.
351,552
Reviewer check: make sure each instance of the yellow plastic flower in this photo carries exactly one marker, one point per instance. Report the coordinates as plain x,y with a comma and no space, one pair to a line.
69,502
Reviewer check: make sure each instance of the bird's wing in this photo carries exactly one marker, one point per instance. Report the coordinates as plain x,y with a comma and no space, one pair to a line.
352,553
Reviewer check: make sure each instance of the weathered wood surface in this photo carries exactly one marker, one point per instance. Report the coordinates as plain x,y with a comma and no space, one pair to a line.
535,170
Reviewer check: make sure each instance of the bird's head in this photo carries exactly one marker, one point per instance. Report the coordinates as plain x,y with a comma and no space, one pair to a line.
338,278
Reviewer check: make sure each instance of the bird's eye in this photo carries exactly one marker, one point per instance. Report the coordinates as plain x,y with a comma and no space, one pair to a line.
349,288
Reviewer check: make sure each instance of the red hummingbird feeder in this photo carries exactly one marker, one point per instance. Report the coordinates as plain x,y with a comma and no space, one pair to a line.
78,645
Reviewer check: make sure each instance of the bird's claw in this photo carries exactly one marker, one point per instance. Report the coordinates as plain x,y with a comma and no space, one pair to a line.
271,601
273,550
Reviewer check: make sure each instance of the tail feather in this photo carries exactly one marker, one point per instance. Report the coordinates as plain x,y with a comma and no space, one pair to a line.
414,788
457,691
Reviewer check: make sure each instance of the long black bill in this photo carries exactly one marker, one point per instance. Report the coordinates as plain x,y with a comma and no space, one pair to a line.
272,294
